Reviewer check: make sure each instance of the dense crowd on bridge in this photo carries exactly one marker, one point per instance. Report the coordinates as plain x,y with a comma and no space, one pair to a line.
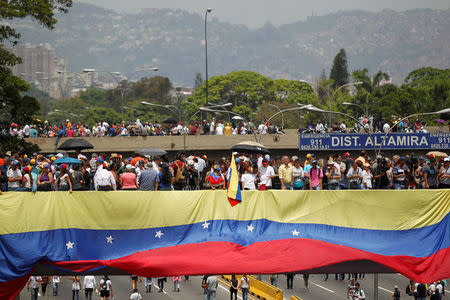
207,127
196,172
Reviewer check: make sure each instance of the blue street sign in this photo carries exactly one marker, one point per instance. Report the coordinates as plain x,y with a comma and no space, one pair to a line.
355,141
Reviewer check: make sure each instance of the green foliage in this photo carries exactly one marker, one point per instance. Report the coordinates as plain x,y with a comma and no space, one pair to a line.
198,81
294,91
339,70
427,77
15,106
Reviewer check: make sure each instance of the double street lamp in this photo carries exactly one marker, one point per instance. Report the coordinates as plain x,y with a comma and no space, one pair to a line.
123,87
208,10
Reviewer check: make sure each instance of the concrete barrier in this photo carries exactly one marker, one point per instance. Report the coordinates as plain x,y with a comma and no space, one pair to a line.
260,289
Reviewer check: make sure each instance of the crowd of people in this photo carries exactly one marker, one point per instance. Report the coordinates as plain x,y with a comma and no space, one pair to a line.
196,172
209,284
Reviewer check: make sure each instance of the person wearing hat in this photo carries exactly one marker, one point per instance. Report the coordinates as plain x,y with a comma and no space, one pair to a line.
215,179
333,174
103,179
430,174
354,177
191,175
63,180
129,179
45,179
315,176
265,174
400,174
26,185
367,176
14,176
444,174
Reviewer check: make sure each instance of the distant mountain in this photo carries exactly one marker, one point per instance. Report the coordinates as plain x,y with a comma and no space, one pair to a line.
396,42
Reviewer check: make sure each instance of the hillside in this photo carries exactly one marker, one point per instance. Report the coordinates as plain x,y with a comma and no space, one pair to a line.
397,42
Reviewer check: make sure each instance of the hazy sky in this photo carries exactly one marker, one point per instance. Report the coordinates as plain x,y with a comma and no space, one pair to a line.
255,13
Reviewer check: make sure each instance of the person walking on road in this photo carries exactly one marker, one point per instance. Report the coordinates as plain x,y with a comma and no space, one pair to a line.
161,281
290,280
245,286
176,283
234,287
135,295
89,285
396,293
105,288
148,284
33,283
76,287
305,281
359,293
212,282
205,286
44,283
56,280
351,289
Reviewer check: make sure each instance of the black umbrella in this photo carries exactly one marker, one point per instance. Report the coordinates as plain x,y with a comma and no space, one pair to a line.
152,152
75,144
250,147
170,121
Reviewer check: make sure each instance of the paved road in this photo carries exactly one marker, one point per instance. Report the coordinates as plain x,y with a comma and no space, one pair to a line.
191,290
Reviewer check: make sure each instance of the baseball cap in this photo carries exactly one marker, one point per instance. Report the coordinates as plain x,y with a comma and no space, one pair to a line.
346,154
265,160
190,162
100,160
294,158
447,159
330,162
129,167
314,161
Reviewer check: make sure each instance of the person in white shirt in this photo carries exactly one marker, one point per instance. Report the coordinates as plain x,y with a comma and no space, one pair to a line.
76,286
248,179
219,129
262,128
366,175
343,127
354,177
212,126
319,127
14,176
34,283
56,280
135,295
359,293
105,288
266,174
89,285
386,127
104,180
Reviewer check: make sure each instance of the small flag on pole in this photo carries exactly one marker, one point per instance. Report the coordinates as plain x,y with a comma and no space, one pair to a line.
234,188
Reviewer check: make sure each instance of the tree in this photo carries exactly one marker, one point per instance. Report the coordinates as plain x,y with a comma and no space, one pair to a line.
339,70
15,106
198,81
294,91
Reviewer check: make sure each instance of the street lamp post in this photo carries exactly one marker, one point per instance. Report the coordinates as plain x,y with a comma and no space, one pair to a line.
208,10
334,94
443,111
364,109
316,109
125,86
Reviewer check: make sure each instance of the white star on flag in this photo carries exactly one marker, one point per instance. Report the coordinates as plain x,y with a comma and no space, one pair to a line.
205,225
250,227
109,239
159,234
69,245
295,232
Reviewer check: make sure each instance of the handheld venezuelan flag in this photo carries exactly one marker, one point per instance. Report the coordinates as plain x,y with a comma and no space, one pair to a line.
234,188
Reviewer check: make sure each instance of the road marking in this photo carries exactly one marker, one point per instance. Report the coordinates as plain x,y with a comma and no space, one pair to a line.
322,287
383,289
222,287
158,288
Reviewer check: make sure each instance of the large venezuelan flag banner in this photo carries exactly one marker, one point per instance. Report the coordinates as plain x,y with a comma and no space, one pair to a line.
174,233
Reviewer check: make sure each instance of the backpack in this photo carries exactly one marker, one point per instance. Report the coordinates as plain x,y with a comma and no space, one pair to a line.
104,284
179,173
